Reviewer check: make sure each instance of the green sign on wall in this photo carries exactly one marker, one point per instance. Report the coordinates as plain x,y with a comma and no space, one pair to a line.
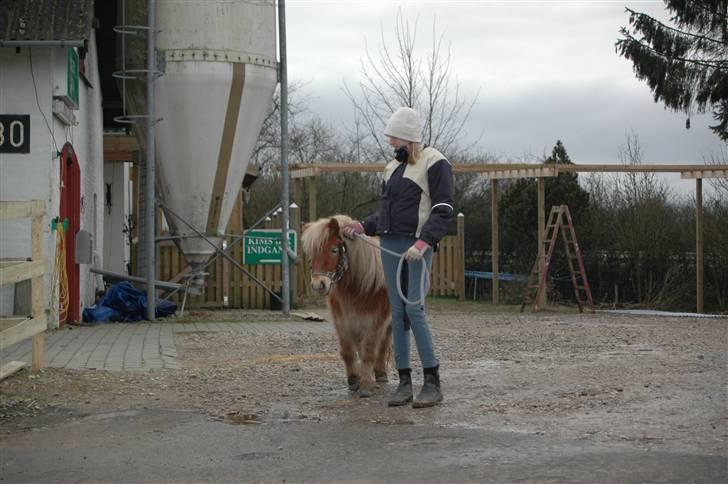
72,78
264,246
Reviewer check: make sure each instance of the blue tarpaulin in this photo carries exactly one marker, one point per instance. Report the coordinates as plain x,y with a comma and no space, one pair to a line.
124,302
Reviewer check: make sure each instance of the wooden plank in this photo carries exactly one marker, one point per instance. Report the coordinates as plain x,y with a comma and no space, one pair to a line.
16,271
20,331
9,368
6,323
21,209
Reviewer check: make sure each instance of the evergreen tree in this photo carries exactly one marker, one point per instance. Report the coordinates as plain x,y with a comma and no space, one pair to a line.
519,211
686,66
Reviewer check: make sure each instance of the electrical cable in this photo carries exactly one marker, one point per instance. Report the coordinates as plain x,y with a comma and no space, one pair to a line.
37,101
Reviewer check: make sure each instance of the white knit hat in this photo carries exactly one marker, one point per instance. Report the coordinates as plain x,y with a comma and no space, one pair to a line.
405,124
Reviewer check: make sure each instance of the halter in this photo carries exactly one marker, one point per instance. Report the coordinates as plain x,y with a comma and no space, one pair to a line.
342,265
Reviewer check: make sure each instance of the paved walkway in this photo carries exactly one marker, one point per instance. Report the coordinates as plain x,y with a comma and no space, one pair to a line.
133,346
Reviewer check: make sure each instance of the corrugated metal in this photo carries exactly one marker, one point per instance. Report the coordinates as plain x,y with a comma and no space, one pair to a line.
46,19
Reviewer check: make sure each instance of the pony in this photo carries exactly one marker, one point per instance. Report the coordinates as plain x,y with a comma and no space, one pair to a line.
350,274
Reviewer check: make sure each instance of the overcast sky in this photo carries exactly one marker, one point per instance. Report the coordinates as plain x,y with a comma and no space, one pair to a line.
546,70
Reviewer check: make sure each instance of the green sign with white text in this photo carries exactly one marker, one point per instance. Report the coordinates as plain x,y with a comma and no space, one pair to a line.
264,246
72,78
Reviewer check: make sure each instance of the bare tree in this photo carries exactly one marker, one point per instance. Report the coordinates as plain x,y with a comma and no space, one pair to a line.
396,76
719,184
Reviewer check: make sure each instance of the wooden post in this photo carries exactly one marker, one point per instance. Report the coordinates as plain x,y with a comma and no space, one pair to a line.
36,293
225,280
699,243
312,194
298,191
541,249
494,240
295,220
461,257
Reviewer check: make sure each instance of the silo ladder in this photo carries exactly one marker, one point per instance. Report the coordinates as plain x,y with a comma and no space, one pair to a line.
559,221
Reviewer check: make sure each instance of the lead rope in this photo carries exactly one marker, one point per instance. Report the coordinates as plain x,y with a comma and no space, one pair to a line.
424,275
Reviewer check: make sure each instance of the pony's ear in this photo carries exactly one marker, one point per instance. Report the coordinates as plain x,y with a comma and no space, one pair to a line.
334,227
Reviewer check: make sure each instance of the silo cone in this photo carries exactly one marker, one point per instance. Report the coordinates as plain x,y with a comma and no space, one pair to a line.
219,72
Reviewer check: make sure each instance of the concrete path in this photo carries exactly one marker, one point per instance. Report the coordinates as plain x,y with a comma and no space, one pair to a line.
133,346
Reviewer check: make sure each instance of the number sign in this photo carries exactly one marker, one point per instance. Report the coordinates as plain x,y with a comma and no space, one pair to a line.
14,133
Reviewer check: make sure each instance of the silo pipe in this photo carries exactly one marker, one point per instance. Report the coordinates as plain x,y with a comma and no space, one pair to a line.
150,206
284,155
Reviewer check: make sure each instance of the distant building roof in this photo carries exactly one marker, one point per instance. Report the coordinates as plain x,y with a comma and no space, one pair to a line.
45,20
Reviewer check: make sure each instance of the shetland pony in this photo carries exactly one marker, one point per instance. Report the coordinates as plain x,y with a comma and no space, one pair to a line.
350,273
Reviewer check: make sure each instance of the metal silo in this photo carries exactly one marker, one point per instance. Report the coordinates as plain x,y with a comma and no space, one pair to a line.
218,73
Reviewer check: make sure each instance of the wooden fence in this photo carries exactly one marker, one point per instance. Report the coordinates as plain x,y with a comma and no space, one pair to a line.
226,286
18,328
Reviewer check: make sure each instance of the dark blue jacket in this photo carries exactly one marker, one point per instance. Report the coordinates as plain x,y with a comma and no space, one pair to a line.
416,199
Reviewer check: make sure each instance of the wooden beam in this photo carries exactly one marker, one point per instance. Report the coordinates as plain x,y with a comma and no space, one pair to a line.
113,142
535,172
705,173
22,330
16,271
494,240
519,170
119,156
699,243
22,209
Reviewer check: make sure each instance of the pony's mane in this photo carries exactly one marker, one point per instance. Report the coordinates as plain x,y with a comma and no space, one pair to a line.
364,259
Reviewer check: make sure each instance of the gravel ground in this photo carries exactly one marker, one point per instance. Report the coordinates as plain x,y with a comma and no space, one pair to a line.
650,382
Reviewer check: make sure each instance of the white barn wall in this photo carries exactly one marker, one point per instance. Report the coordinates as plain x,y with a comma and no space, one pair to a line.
31,175
37,175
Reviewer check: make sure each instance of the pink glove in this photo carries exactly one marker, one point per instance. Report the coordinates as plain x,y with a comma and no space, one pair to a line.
351,230
417,250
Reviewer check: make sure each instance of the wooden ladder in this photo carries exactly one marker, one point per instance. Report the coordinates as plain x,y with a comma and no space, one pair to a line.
559,221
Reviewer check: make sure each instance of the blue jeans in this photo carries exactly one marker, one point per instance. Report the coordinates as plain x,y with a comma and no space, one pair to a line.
407,316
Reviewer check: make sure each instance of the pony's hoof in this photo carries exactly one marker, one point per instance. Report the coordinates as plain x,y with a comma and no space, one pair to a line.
353,382
383,378
364,392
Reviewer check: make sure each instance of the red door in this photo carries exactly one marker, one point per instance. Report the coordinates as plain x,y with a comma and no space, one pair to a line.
71,210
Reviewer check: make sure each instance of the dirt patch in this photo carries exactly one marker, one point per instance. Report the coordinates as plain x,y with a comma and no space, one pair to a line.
643,381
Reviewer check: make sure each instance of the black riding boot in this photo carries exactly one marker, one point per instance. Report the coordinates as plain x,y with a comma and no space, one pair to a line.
430,394
403,394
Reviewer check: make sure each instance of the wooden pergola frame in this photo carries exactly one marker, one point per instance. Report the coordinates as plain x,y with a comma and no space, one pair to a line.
498,171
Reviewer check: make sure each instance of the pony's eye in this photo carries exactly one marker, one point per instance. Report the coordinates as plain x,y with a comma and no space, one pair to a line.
334,250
